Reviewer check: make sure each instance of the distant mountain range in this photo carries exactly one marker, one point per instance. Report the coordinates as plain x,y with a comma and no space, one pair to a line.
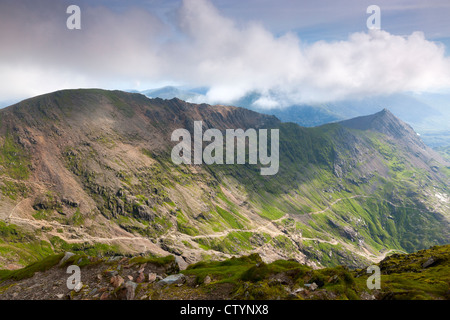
90,171
428,114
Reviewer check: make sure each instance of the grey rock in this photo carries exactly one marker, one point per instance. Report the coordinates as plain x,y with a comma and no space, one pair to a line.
296,291
66,257
175,278
115,258
130,287
207,280
312,286
78,287
144,212
429,262
182,264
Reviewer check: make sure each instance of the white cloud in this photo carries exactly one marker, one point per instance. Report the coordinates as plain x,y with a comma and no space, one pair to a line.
208,49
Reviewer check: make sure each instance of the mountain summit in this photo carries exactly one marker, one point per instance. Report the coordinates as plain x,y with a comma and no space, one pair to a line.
90,170
384,122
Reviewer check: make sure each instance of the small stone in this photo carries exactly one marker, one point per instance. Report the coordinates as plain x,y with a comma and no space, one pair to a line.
60,296
117,281
333,279
104,296
312,286
297,291
130,278
113,259
123,260
151,277
78,287
66,257
367,296
207,280
140,278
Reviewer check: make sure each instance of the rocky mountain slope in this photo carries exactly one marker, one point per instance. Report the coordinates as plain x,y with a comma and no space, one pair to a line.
90,171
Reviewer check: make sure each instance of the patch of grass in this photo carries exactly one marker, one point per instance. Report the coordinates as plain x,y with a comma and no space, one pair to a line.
235,242
170,203
158,261
184,226
13,190
18,246
29,271
42,214
263,271
229,218
95,249
227,271
77,218
14,159
117,100
271,213
404,277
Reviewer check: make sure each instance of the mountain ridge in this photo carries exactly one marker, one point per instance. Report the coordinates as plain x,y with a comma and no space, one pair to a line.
90,165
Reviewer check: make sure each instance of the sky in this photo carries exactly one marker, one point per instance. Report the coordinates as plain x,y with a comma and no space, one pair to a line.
288,51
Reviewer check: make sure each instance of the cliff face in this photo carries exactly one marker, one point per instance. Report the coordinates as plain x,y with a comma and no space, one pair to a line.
91,170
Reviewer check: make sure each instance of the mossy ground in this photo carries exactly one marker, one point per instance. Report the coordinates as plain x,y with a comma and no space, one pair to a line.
248,277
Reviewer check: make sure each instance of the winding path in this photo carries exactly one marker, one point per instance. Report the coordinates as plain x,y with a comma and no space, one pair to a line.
269,228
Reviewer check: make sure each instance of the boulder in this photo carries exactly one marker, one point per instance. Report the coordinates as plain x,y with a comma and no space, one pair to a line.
429,262
175,278
130,287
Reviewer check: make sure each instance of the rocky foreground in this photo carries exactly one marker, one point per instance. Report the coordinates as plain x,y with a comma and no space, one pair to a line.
421,275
